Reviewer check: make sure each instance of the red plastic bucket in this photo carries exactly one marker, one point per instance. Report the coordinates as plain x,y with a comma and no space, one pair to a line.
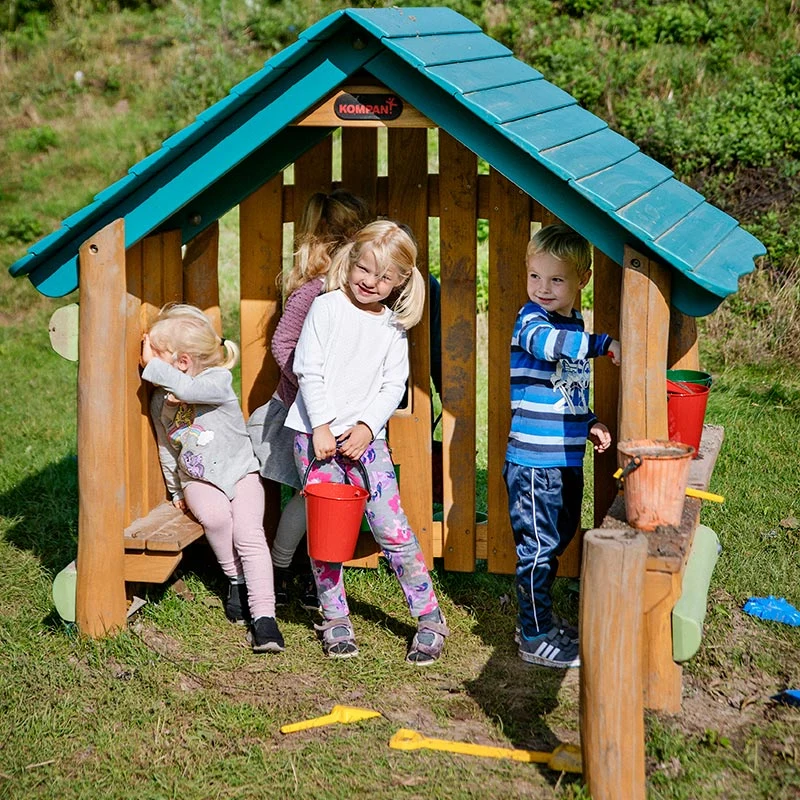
686,412
333,517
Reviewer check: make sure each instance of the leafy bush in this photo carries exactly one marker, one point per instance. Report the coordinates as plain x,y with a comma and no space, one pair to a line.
19,227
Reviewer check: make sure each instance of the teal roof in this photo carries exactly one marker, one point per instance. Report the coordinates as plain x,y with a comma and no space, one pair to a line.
469,85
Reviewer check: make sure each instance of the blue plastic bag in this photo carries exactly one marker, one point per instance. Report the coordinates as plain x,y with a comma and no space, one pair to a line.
772,608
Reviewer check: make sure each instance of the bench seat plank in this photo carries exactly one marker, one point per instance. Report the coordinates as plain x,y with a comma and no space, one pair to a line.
165,529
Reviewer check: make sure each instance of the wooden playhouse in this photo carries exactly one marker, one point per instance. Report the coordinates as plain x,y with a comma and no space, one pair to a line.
428,119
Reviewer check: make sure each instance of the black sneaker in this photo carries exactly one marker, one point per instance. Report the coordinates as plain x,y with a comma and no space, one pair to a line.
555,649
237,609
283,582
308,593
265,637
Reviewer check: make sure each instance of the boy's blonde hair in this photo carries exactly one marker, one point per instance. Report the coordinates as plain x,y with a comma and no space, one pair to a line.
327,221
182,328
563,243
393,247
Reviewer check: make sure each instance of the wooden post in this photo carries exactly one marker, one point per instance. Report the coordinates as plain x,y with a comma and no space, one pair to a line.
644,335
607,289
100,604
611,648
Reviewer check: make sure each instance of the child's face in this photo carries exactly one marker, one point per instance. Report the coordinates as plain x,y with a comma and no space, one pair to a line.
554,284
366,286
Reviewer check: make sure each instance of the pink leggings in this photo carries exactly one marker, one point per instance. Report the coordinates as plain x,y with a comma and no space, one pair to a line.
235,531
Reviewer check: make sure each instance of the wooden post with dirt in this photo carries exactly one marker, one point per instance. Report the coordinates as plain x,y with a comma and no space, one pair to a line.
100,603
611,650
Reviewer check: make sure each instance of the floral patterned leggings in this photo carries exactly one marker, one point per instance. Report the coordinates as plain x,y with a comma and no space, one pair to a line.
386,519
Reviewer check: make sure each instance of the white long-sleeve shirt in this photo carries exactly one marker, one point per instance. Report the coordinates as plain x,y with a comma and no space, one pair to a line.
351,366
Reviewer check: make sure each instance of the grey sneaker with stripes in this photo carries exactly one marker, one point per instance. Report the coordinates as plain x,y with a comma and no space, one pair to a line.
556,649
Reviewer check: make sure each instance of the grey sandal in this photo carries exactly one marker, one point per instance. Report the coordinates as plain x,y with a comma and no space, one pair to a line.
338,637
428,642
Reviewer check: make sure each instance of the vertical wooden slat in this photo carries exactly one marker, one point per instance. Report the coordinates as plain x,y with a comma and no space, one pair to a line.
410,431
136,391
100,605
683,352
509,232
312,173
161,277
201,274
458,200
644,335
360,164
607,288
260,266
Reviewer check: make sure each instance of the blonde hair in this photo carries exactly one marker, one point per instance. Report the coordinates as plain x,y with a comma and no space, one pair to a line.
327,221
563,243
393,247
182,328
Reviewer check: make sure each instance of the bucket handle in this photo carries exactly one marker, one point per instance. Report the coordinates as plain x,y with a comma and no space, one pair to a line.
339,459
632,465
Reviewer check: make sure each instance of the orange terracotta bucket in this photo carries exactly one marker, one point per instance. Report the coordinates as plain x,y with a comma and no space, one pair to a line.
656,473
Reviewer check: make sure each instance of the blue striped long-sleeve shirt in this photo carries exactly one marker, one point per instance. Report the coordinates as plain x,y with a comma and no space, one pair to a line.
550,373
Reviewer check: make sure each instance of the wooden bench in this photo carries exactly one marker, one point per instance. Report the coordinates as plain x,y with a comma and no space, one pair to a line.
668,552
154,543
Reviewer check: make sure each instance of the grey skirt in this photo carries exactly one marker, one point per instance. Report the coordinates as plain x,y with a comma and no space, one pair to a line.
273,443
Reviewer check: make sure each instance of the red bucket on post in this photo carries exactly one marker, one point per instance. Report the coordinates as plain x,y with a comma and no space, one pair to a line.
333,517
686,412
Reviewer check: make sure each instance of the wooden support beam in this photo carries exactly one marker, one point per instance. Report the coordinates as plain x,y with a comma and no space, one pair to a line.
100,602
611,690
644,335
607,282
458,248
360,164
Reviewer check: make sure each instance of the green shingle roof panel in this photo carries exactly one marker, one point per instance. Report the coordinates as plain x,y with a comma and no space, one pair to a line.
588,154
657,211
398,22
473,76
517,100
469,84
422,51
620,184
552,128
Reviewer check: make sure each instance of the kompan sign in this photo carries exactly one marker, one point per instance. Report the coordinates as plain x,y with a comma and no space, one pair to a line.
368,106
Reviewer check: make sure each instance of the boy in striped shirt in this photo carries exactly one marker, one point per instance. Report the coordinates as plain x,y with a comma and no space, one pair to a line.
550,422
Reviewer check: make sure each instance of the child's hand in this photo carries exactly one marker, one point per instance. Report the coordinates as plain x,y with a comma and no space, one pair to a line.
179,503
324,442
147,350
352,443
615,352
600,437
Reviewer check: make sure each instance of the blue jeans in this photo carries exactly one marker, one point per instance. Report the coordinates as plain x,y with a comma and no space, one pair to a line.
545,509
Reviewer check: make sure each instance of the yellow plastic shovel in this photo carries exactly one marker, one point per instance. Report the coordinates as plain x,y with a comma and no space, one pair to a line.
338,714
565,758
690,492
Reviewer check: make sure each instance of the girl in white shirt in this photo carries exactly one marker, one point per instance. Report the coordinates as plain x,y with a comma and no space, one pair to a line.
351,364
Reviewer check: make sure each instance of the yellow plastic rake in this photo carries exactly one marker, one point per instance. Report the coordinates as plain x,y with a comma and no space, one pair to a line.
565,758
338,714
690,492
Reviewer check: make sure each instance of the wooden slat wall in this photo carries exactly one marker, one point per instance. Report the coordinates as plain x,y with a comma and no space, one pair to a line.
360,163
458,206
509,232
410,432
312,173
